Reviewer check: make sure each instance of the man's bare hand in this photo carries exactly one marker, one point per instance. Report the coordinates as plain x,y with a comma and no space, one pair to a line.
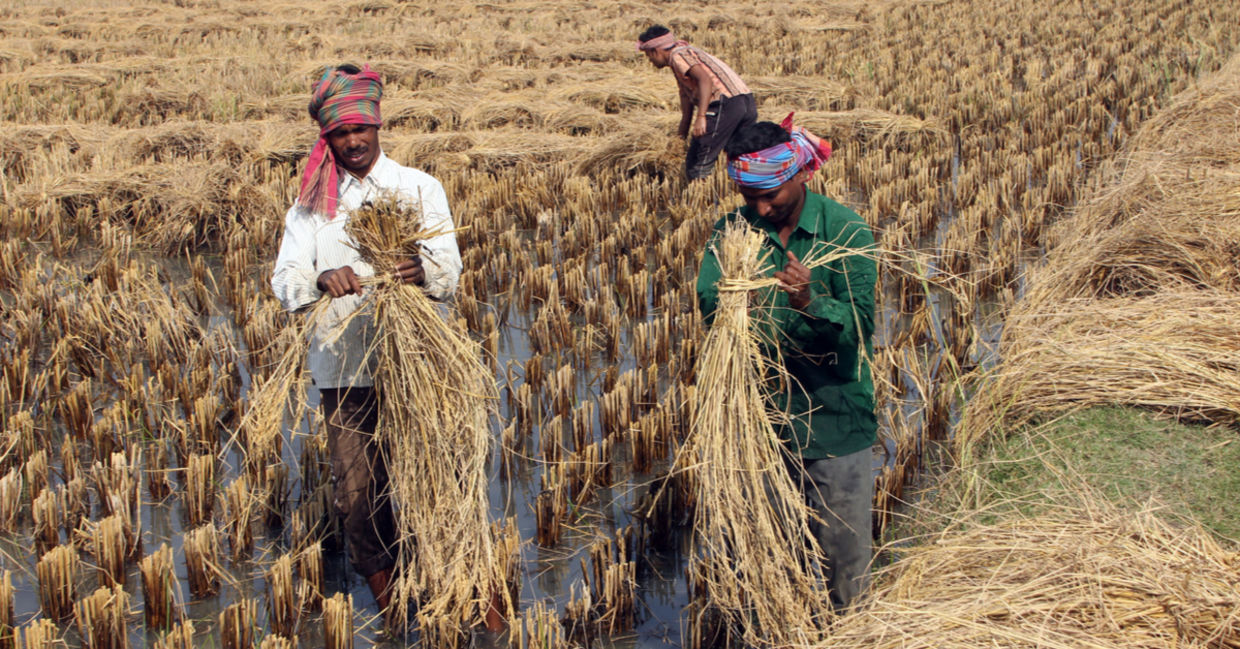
339,282
410,271
794,279
699,126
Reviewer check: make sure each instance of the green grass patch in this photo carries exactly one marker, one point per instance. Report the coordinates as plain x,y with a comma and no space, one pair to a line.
1126,455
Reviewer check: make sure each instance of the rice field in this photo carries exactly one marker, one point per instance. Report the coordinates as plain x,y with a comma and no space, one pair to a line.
148,496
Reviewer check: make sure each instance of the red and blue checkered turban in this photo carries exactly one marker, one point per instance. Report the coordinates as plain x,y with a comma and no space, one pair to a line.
776,165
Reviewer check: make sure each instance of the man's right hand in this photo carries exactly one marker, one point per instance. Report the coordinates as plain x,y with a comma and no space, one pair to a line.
339,282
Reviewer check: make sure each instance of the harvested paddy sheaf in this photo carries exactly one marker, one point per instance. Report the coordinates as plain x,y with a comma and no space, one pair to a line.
437,399
150,149
1078,577
756,556
1133,304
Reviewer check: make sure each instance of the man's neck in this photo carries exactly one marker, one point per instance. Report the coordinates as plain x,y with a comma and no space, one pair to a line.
794,219
360,176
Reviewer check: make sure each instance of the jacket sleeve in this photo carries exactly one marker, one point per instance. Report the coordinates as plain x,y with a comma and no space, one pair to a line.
295,277
840,316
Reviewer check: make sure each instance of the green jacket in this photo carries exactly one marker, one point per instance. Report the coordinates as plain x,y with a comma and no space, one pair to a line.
827,348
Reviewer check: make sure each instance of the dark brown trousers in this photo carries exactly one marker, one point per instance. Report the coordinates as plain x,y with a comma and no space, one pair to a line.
360,478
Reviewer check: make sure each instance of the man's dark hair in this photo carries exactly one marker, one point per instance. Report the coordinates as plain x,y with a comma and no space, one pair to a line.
653,31
755,137
348,68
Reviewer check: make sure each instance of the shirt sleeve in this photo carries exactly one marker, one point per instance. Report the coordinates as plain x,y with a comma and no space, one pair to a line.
294,280
840,316
441,258
709,274
681,61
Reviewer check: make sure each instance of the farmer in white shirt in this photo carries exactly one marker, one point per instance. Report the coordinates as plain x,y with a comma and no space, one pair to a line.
347,168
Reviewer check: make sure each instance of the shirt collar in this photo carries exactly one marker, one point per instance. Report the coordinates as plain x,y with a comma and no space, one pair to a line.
807,221
378,173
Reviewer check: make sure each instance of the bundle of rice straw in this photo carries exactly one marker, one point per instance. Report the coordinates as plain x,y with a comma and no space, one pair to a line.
276,394
436,396
1085,576
754,551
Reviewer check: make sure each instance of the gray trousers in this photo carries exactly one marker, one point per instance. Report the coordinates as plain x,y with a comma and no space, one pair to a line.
841,491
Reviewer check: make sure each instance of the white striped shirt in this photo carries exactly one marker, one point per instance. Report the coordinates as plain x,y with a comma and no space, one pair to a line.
313,244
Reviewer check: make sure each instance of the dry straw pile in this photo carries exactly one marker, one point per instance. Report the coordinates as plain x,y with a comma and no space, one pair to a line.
1136,301
1082,577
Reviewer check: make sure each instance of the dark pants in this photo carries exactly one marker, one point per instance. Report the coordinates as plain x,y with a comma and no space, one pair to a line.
723,117
359,478
841,491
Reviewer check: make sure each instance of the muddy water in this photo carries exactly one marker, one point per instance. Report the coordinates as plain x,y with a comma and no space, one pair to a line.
549,575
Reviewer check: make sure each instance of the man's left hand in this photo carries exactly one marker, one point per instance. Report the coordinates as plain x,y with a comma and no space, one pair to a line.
794,279
410,271
699,126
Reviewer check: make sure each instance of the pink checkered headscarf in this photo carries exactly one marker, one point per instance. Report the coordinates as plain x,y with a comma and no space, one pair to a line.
339,98
662,42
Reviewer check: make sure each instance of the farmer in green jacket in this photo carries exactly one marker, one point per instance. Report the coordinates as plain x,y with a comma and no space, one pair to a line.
822,321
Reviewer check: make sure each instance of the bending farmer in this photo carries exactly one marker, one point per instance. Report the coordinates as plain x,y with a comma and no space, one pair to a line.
709,89
821,321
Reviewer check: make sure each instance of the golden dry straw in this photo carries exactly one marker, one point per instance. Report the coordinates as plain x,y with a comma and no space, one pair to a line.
10,499
310,577
283,608
42,634
107,540
540,628
276,396
273,641
202,560
157,482
200,488
75,503
1130,304
1080,577
1175,352
275,485
237,624
338,622
8,632
57,573
119,485
37,473
101,618
435,403
240,502
202,144
612,586
754,550
180,636
159,589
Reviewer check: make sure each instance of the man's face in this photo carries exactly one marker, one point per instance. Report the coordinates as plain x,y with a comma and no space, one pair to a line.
779,206
355,146
658,58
